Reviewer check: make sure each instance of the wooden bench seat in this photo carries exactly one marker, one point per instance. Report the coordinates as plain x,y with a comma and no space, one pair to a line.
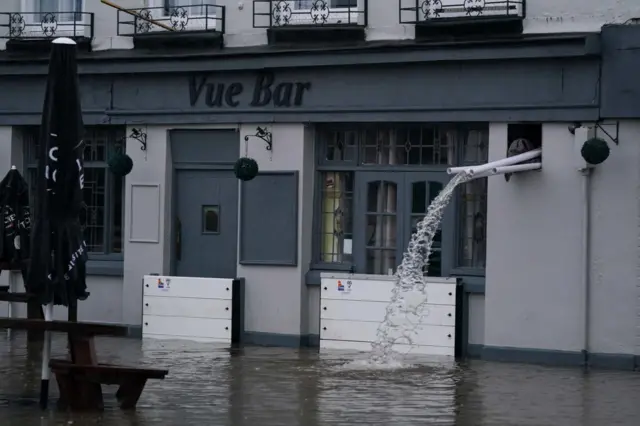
7,296
80,328
80,384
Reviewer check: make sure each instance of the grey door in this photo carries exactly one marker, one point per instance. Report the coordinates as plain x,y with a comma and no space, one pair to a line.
206,223
420,190
378,224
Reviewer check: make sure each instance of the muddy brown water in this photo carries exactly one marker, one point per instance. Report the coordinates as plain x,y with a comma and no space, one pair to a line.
209,385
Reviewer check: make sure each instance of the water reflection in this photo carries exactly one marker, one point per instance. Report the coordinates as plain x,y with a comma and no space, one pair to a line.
282,387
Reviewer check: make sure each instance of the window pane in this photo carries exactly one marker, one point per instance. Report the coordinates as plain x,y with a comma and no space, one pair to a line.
475,147
382,197
95,149
473,203
94,211
117,213
408,145
473,215
381,231
210,219
336,230
339,145
381,262
193,7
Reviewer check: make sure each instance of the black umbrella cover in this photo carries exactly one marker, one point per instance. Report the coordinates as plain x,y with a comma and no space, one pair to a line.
57,268
15,227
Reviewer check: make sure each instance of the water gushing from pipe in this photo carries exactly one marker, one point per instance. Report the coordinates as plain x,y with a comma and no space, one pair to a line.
410,278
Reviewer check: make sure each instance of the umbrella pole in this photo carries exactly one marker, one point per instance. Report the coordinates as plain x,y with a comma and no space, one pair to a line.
10,304
46,355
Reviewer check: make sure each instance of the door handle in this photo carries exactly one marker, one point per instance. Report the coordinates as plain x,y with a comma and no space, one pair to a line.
178,239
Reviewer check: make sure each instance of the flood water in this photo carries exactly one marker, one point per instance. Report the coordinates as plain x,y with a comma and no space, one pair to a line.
207,385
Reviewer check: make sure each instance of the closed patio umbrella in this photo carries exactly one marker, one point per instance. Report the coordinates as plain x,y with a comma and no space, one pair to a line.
15,227
58,255
15,231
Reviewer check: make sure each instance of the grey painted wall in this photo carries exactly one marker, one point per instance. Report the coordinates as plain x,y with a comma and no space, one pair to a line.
276,299
534,240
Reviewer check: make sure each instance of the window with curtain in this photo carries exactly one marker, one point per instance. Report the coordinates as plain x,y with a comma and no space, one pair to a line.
62,9
400,156
472,243
102,216
193,7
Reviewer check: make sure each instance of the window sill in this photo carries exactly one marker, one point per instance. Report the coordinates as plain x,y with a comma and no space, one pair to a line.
107,268
472,284
312,277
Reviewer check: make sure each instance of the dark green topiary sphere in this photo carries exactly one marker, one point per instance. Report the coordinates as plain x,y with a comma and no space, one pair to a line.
595,151
120,164
245,168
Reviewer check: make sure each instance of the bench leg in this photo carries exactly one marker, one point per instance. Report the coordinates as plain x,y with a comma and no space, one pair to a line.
78,395
129,392
65,388
90,396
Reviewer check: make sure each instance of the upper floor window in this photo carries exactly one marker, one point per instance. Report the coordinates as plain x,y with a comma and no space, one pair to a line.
60,10
191,7
182,15
102,216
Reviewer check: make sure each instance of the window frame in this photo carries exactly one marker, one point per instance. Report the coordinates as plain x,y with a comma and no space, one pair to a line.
107,263
29,6
322,165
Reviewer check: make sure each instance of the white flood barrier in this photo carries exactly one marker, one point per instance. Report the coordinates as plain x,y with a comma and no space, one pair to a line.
199,309
353,306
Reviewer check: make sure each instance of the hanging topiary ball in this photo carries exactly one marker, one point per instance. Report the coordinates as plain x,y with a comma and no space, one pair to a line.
245,168
595,151
120,164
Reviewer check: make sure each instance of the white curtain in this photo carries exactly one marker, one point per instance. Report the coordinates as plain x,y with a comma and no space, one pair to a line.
193,7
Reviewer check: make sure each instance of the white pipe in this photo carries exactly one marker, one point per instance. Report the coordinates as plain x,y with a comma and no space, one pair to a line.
586,255
508,169
481,175
517,168
10,304
509,161
46,355
456,170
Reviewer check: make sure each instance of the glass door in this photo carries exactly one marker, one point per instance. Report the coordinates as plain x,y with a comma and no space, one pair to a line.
421,188
378,227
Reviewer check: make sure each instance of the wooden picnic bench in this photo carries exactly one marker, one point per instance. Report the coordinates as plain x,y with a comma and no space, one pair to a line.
81,377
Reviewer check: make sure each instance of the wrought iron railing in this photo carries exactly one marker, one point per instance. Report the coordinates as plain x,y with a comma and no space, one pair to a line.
205,17
416,11
39,25
280,13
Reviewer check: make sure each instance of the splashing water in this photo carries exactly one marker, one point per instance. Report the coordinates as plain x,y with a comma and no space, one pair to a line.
410,278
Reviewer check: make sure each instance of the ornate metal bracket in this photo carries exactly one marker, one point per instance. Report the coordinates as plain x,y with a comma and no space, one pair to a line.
265,135
140,136
615,139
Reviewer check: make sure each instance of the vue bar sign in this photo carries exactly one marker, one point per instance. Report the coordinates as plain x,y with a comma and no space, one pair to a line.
265,91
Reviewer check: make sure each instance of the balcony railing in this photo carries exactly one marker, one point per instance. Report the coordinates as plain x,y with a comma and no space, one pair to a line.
206,17
44,25
431,11
282,13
